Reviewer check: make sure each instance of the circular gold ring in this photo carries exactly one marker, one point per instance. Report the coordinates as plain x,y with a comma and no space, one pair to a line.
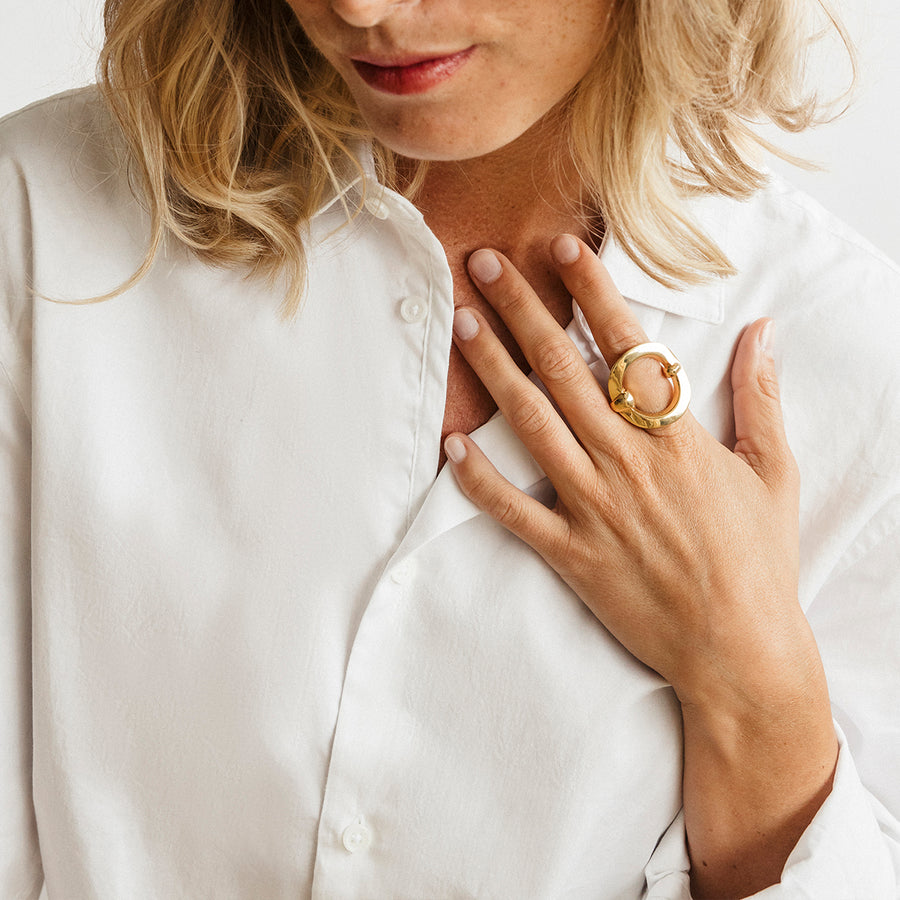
623,402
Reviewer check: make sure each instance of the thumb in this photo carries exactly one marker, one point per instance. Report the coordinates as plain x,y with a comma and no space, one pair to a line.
758,423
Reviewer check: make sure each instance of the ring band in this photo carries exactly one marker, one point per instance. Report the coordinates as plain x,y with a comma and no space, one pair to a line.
622,401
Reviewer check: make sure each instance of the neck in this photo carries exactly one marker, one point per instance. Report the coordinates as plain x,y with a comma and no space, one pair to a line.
511,199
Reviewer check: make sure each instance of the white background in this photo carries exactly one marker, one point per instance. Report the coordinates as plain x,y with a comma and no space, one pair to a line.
49,45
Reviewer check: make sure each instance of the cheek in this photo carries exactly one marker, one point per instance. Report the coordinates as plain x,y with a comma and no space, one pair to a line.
315,19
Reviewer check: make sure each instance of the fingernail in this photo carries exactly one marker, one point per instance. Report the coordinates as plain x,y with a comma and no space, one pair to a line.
455,449
766,338
465,325
565,249
484,265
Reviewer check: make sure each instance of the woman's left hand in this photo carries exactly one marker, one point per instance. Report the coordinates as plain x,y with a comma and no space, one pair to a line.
686,551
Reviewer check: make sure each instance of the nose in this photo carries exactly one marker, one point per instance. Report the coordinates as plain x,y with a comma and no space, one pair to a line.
367,13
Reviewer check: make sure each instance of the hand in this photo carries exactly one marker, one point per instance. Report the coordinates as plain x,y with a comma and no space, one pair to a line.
686,551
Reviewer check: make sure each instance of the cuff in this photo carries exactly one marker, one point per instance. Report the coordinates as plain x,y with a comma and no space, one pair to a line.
850,850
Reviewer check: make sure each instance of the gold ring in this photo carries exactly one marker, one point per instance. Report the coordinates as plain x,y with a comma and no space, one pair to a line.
623,402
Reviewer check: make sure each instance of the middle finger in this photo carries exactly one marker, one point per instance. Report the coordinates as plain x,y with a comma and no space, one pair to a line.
548,349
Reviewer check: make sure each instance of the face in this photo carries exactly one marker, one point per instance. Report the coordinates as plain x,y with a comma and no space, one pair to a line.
455,79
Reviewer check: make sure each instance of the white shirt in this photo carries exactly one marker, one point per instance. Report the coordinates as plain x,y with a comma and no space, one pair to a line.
265,653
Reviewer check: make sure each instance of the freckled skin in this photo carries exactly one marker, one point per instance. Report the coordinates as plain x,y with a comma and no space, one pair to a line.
489,132
708,536
528,55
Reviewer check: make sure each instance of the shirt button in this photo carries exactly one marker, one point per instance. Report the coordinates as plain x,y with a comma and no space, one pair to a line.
413,310
356,837
377,207
400,573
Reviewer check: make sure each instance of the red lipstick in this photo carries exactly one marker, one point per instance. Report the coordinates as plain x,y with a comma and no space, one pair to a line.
410,76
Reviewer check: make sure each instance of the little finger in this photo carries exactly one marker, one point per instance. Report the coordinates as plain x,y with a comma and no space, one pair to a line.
525,517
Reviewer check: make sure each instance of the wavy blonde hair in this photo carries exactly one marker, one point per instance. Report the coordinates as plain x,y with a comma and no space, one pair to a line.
237,126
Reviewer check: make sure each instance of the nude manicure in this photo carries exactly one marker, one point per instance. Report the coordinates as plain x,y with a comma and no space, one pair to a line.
455,449
565,249
465,325
484,266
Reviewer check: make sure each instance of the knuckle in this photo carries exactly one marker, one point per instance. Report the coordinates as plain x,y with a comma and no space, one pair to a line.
636,466
512,301
496,499
530,416
556,360
509,512
768,384
622,335
479,489
788,470
680,439
587,280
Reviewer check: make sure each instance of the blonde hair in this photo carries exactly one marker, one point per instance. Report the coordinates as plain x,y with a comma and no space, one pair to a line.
237,126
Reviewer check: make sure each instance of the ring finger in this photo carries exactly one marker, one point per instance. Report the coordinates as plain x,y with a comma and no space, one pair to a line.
613,325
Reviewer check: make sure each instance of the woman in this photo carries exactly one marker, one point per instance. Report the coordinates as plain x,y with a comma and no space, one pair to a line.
257,649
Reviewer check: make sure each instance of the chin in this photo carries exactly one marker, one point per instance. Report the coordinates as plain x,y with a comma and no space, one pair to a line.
438,147
437,151
441,141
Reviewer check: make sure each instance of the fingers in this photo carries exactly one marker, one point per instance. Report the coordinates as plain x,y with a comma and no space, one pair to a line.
524,516
550,353
548,349
529,413
613,325
758,422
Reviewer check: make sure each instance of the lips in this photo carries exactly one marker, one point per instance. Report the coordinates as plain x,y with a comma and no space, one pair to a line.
411,75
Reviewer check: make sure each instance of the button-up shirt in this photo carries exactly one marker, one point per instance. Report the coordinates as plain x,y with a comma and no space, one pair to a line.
254,647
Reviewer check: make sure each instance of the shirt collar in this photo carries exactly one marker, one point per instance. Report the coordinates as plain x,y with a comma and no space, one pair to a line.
704,302
348,180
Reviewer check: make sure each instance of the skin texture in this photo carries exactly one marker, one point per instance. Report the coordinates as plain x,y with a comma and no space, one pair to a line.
685,550
527,56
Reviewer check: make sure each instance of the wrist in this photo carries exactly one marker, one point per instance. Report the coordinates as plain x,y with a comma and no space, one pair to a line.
755,774
750,677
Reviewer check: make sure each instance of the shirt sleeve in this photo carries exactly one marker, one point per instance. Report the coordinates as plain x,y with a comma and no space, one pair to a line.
851,849
20,866
667,875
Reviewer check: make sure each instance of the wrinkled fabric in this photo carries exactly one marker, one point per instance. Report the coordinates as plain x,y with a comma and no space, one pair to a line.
252,647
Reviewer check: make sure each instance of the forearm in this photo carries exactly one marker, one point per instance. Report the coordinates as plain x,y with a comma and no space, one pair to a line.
752,783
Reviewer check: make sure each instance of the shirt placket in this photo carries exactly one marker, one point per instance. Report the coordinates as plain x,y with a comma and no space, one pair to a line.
351,841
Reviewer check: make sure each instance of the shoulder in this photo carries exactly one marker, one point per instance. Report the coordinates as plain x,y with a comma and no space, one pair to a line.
64,179
39,134
57,152
65,208
58,156
787,239
828,288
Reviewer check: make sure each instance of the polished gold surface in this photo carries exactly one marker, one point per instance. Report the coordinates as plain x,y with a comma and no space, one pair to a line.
623,402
